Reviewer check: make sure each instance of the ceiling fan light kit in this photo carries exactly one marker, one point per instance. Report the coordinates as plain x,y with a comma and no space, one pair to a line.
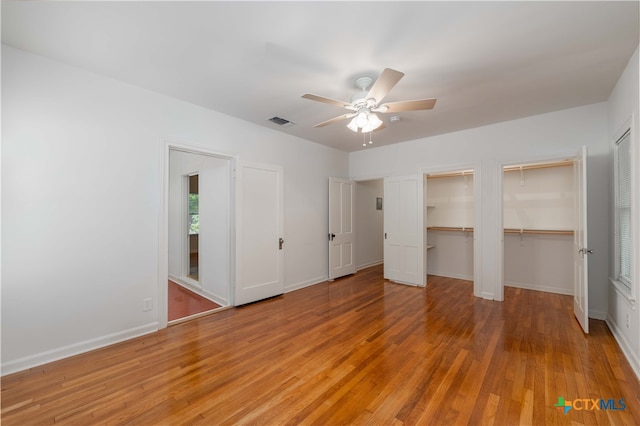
366,103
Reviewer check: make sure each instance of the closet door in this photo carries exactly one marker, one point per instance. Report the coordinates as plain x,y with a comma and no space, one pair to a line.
404,232
259,238
580,246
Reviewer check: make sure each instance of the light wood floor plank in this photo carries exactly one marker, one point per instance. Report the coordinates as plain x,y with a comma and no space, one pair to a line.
360,350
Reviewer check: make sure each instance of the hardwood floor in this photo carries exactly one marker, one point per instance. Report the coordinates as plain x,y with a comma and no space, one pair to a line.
359,350
185,303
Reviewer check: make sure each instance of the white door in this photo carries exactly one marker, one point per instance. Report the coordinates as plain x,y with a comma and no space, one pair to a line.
341,228
259,238
581,251
404,232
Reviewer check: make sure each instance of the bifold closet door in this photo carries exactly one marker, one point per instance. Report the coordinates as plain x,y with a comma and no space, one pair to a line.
260,236
404,231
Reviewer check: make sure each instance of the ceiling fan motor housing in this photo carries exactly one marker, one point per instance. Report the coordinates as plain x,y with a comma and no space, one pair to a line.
363,83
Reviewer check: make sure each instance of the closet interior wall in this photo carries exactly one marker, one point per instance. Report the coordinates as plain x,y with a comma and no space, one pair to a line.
449,219
539,220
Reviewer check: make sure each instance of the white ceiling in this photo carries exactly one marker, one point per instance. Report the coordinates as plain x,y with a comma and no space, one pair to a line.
486,62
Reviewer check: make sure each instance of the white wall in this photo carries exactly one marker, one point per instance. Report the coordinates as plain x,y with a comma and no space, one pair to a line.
539,262
452,200
369,223
82,196
452,255
532,138
539,199
623,314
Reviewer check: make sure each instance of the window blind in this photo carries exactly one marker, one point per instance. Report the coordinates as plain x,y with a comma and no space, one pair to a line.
623,209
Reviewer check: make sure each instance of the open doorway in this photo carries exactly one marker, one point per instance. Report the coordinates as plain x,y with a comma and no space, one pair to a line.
370,223
556,215
455,227
199,233
538,222
452,212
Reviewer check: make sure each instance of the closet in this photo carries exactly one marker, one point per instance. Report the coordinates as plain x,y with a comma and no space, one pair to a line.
449,219
538,220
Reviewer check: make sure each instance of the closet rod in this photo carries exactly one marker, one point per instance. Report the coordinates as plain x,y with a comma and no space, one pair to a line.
506,231
537,166
452,174
538,231
449,228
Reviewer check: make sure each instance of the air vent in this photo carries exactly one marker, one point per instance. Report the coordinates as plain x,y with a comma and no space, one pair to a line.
281,121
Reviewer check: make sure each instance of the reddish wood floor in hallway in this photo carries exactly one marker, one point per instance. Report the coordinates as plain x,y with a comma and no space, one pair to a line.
183,303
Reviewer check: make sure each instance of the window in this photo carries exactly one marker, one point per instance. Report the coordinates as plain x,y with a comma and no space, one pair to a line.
622,184
194,214
194,208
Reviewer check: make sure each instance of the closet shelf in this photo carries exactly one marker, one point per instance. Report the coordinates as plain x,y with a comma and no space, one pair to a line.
538,231
449,228
537,166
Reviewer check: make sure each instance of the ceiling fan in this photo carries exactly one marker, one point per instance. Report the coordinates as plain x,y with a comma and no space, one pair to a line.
366,103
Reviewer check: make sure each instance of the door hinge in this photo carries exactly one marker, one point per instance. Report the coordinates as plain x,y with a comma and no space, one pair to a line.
280,243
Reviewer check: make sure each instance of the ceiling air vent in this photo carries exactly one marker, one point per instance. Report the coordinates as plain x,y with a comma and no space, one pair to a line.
281,121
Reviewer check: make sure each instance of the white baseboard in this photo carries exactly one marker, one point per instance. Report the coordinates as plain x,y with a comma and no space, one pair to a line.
529,286
599,315
303,284
453,275
76,349
369,264
627,350
488,296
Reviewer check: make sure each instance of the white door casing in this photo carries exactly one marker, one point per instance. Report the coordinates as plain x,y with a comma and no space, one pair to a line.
580,242
404,231
260,232
341,227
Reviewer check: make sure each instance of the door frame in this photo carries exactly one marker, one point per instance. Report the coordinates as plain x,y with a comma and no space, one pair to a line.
499,208
167,145
477,215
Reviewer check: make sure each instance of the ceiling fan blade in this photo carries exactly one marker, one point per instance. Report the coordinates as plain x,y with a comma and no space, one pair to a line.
336,119
417,105
329,101
384,84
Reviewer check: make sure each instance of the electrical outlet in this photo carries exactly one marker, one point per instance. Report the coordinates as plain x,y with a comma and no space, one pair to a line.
628,320
146,305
